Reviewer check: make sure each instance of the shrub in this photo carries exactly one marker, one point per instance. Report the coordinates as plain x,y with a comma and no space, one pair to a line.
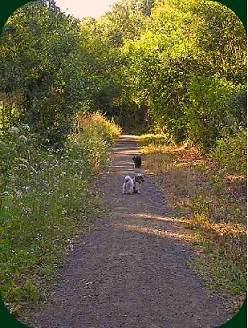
154,139
92,137
97,124
231,153
210,109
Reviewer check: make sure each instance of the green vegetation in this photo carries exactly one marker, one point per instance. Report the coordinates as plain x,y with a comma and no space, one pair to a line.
164,66
47,199
208,192
175,69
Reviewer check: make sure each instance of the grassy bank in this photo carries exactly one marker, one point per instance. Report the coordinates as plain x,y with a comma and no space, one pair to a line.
47,199
209,193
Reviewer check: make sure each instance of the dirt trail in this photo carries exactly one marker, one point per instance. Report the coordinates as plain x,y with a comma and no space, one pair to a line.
132,271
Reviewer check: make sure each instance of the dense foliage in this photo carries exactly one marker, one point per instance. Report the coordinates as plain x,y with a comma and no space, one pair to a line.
40,74
177,67
47,198
187,67
172,67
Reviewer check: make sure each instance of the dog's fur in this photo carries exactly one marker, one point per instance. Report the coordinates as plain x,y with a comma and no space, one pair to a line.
138,179
136,162
131,186
128,185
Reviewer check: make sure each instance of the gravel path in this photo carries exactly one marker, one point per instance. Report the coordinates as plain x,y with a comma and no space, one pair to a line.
132,270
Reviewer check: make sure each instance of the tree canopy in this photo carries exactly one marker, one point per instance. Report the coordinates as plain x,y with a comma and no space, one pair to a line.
174,66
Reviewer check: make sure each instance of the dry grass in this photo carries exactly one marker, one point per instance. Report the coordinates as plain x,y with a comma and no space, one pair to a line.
97,123
213,206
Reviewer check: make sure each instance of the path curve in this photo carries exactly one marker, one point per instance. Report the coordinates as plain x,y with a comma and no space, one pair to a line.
132,271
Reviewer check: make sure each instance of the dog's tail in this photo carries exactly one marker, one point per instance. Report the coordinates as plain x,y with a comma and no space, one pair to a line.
126,179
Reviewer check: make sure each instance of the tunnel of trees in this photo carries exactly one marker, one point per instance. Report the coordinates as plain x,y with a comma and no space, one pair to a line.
177,67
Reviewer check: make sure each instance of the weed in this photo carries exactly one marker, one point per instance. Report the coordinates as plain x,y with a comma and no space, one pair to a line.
211,195
47,199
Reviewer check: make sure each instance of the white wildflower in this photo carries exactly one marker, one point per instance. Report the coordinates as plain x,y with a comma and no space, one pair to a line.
26,127
14,130
23,138
18,194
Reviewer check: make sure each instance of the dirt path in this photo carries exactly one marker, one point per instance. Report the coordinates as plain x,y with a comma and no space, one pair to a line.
132,271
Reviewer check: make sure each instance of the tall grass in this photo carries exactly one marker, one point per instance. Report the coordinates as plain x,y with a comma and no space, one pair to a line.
209,192
95,135
47,199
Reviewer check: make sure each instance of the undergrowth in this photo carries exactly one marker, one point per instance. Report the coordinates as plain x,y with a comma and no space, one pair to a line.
209,193
47,199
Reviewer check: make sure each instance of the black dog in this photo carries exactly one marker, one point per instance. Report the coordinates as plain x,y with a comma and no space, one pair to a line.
136,161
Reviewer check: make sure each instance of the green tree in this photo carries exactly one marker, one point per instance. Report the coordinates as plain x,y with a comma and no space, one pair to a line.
177,44
40,63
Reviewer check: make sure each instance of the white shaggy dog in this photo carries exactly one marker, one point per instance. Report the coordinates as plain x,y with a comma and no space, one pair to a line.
128,185
131,186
